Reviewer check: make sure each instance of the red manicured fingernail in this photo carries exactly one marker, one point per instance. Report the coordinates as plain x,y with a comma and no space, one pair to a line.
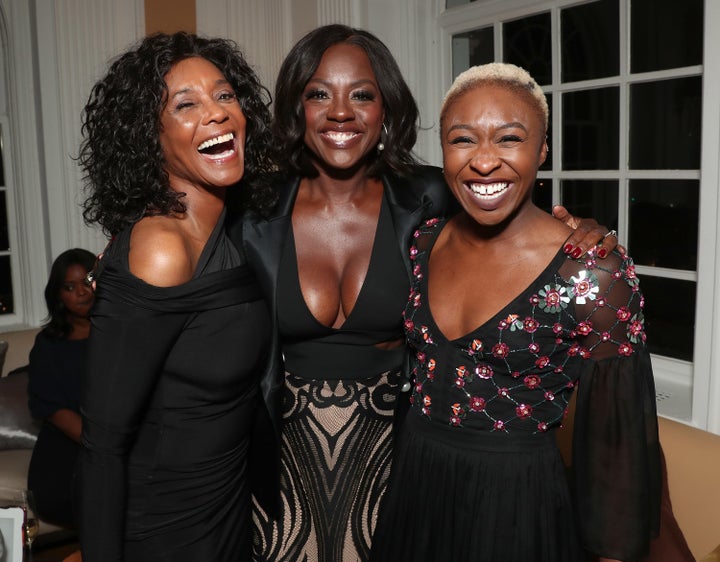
576,252
602,252
567,248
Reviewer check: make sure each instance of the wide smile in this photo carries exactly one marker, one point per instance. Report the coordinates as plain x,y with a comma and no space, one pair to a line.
340,138
219,147
488,191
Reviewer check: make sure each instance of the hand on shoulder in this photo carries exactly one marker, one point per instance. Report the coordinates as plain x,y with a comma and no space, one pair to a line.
159,253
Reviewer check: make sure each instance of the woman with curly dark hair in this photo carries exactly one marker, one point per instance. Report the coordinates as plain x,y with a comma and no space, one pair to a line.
179,330
57,361
332,257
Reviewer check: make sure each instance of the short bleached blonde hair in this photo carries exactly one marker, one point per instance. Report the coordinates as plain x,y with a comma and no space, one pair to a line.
502,73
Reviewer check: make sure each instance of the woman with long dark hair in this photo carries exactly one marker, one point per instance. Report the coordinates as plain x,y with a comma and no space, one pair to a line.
57,363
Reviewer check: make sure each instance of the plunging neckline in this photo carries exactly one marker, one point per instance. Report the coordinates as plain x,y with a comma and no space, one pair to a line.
373,258
504,311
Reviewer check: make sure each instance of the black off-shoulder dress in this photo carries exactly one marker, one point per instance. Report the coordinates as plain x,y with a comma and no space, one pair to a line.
168,399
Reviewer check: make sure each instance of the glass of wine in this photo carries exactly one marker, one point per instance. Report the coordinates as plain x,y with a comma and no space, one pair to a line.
10,497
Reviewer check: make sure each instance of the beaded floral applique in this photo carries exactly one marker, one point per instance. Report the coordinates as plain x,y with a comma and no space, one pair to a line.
518,372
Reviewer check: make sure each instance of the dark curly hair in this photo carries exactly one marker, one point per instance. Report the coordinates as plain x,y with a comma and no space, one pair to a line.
121,154
401,112
57,324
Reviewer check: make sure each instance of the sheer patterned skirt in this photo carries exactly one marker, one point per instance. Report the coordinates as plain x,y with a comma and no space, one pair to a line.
336,455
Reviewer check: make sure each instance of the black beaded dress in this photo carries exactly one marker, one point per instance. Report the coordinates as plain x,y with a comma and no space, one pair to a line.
477,475
168,403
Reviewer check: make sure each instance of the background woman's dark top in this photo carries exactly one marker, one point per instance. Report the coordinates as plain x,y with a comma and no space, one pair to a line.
56,370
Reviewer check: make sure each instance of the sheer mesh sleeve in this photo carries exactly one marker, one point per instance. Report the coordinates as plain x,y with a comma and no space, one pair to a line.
615,450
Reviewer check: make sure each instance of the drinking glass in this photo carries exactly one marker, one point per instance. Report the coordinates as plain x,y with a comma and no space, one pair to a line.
10,497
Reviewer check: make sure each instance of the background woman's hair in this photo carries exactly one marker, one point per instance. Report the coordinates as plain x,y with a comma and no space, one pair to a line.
401,112
57,323
121,154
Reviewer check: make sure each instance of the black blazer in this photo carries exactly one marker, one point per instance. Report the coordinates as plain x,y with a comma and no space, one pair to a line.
412,199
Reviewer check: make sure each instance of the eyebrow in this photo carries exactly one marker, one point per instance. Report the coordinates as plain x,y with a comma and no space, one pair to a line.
511,125
218,82
357,83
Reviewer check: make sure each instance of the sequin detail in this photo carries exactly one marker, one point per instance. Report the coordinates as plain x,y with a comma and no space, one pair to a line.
518,370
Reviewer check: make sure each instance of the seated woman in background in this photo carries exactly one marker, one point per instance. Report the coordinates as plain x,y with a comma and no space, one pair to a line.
56,364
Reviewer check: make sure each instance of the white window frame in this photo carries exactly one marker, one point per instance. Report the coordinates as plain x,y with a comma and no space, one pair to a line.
702,376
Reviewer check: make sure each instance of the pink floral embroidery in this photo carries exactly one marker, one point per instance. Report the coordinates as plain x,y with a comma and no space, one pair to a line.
523,411
554,299
623,314
484,371
532,381
477,404
531,325
500,350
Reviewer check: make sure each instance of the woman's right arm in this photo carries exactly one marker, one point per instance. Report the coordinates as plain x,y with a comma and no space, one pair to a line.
69,422
129,342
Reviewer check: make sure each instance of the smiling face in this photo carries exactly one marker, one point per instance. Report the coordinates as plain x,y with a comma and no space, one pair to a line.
75,294
343,109
202,127
493,142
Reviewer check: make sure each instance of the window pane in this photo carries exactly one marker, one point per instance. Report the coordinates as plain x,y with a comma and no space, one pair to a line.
665,34
4,240
542,194
527,42
6,295
669,316
472,48
665,124
548,164
596,199
663,223
590,41
453,3
591,129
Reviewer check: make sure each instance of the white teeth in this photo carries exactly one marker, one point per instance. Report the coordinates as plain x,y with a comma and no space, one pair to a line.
340,136
488,189
217,140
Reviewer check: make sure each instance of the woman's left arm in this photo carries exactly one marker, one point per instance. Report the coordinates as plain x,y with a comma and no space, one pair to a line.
616,451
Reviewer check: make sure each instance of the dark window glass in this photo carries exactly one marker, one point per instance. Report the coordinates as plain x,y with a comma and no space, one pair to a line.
548,164
665,34
592,198
542,194
472,48
527,42
665,124
663,223
591,129
590,41
4,240
669,316
454,3
6,295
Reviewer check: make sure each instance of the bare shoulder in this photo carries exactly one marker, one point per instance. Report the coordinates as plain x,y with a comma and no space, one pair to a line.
159,252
